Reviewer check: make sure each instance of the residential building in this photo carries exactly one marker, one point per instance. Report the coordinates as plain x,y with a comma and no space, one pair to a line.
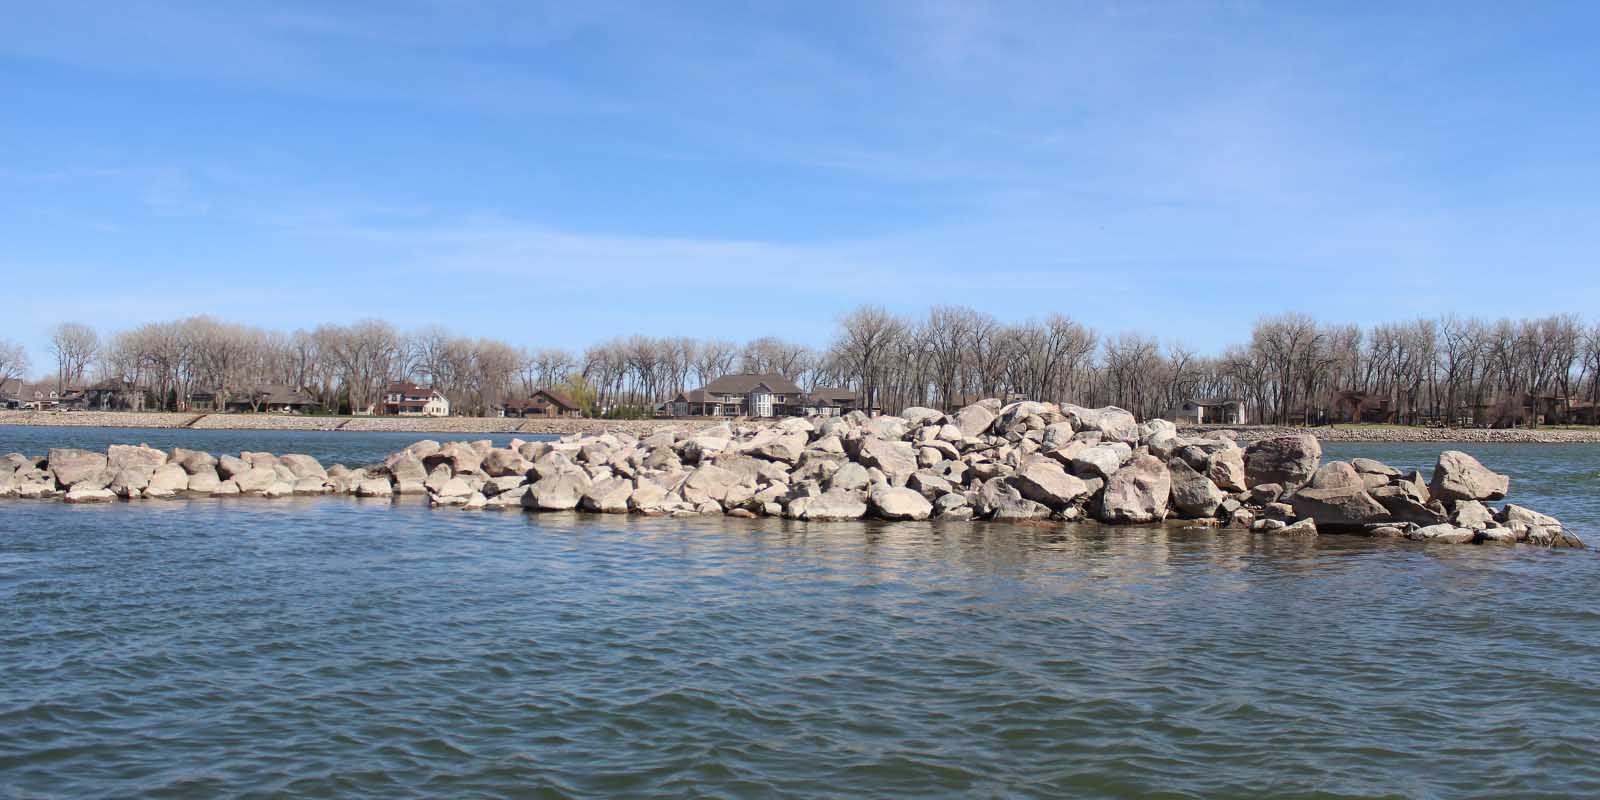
406,399
832,402
42,396
273,398
1222,411
114,395
767,395
543,403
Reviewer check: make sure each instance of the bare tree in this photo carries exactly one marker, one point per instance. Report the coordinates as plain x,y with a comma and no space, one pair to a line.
14,364
74,346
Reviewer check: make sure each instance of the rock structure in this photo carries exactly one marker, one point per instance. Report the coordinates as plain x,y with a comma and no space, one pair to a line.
1021,461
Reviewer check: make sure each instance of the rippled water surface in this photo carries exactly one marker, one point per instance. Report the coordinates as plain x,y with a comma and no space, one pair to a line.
327,647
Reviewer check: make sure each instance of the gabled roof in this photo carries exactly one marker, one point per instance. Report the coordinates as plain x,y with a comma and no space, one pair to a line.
832,396
558,398
745,384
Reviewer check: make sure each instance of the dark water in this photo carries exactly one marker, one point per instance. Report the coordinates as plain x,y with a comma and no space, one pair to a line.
329,647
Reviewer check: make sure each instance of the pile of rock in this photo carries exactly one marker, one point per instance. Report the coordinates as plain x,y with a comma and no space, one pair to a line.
1022,461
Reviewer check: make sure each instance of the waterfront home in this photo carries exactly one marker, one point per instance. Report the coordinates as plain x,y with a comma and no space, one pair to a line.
543,403
114,394
275,398
42,396
407,399
831,402
763,395
1221,411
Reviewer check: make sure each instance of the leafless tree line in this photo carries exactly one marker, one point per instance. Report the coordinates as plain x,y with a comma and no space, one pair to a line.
1292,368
1451,370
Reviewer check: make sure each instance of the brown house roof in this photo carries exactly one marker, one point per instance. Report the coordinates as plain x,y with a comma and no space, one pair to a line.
744,384
834,397
552,397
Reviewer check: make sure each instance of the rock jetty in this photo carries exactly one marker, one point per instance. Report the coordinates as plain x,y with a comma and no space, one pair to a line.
988,461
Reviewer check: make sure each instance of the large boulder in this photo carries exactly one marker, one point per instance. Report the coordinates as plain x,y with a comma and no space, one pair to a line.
374,487
408,468
204,481
900,504
1138,492
85,494
459,456
72,466
1226,470
119,456
829,506
1289,461
192,461
1336,475
255,480
1114,424
560,492
1044,481
303,466
1099,461
1193,495
1345,506
1405,505
501,462
608,496
974,420
1459,476
170,479
131,481
709,482
897,460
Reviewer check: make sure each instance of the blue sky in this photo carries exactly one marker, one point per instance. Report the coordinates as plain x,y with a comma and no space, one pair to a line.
556,174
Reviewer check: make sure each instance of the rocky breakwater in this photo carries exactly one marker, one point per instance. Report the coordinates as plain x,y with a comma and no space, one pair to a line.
1023,461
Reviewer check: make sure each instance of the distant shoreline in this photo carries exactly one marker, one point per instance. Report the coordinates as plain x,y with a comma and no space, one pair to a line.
568,425
287,422
1405,435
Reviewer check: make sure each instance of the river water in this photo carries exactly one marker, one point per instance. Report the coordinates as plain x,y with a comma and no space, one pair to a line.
321,647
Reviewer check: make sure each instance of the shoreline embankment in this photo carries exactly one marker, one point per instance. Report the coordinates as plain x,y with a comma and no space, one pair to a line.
565,425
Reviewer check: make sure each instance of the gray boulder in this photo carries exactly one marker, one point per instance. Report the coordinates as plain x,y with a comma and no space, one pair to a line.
1226,469
303,466
559,492
1194,496
894,503
608,496
1044,481
1137,493
832,505
1114,424
1338,507
1459,476
71,466
897,460
119,456
1288,461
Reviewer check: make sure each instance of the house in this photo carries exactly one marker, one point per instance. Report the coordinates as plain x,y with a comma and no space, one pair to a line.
1222,411
407,399
273,398
1353,406
543,403
832,402
114,395
43,396
11,394
766,395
